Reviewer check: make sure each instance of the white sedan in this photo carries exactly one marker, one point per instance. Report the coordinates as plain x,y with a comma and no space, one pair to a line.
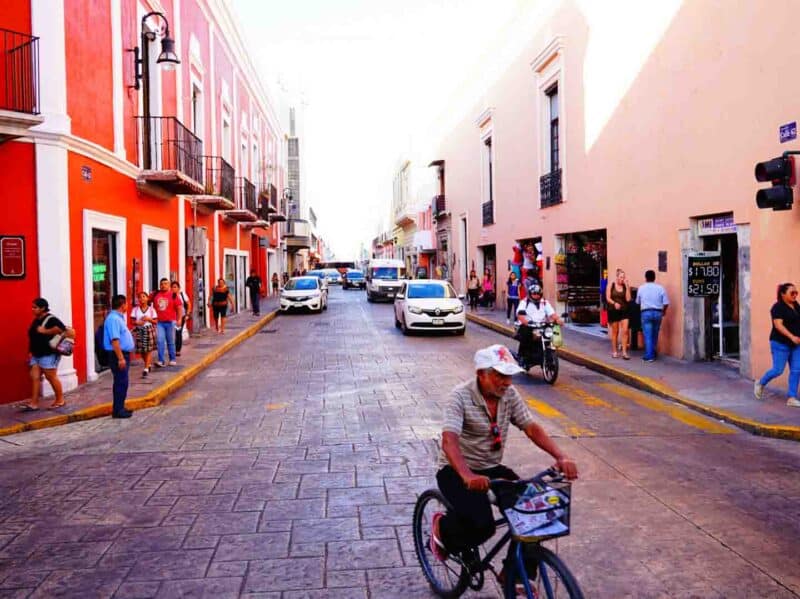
304,293
429,305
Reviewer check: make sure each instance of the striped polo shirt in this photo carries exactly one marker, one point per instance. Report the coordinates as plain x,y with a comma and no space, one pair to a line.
466,415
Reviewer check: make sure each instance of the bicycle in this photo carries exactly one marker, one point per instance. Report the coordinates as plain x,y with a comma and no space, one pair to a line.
544,498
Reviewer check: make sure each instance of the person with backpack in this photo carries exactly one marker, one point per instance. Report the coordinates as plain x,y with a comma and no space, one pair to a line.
187,309
43,359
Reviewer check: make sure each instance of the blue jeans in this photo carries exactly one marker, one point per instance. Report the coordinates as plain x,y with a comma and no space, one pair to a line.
651,325
120,387
166,333
781,354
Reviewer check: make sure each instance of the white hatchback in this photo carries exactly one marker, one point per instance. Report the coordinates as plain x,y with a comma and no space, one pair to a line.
429,305
304,293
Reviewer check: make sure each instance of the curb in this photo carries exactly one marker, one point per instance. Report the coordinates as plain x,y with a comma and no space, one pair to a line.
643,383
153,398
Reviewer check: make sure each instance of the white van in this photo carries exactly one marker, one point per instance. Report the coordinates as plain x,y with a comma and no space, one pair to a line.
384,278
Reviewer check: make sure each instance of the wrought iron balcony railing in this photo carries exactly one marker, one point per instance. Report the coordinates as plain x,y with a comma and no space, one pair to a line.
550,189
487,209
246,195
438,205
19,72
219,179
167,145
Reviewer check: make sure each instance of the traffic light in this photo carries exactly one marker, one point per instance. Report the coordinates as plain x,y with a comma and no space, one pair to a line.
781,172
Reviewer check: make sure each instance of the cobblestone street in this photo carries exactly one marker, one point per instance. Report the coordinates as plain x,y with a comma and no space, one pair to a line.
289,470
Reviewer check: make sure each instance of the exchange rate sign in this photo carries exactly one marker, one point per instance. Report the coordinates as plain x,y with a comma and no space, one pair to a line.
704,274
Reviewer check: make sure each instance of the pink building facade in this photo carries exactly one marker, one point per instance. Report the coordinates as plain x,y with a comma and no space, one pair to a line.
600,147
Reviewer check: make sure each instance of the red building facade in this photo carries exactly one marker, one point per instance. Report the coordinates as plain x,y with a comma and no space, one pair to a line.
114,180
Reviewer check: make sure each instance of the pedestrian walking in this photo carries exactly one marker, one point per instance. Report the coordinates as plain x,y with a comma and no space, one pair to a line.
512,296
488,289
274,283
618,299
118,342
784,343
253,283
473,290
653,304
285,278
169,310
181,323
43,359
144,319
218,301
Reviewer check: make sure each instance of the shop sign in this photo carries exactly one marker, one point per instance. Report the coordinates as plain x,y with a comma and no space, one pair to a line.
787,132
716,225
704,274
12,257
99,271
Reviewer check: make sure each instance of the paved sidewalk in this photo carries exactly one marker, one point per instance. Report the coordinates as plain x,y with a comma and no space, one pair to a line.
708,387
93,400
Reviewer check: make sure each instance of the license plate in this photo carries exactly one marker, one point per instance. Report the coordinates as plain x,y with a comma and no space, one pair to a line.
390,295
438,321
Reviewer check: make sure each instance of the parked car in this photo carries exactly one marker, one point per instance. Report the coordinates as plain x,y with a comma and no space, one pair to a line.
304,293
354,278
333,276
429,305
320,274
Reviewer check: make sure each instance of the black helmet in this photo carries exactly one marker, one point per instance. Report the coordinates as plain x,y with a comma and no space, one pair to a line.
535,289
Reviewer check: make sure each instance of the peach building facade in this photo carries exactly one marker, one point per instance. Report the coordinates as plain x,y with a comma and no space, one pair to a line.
606,146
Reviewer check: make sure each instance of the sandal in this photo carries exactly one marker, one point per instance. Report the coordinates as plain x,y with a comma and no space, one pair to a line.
437,548
28,408
615,355
626,357
55,406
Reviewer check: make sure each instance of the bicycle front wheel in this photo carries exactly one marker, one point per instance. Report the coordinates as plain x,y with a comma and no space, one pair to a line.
549,576
447,577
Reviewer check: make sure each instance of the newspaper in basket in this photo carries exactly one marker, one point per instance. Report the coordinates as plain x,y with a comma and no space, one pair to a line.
542,511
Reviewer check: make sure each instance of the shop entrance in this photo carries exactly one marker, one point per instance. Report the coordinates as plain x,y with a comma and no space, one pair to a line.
104,279
722,329
199,299
580,262
526,260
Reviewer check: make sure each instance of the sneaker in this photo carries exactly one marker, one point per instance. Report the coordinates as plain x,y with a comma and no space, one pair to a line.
437,548
758,390
123,414
160,364
173,363
508,321
793,403
144,372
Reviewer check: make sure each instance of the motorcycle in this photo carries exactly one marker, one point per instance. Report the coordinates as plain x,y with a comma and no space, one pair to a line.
540,352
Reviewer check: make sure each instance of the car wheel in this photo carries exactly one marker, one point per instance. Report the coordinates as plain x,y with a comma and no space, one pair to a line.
404,328
369,297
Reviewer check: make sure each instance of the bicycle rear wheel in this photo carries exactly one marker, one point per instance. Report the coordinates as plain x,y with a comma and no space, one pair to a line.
448,577
549,576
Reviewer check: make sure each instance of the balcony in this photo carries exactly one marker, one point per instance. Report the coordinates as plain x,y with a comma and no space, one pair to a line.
282,211
19,84
487,209
219,185
297,235
172,156
246,205
438,206
404,217
550,189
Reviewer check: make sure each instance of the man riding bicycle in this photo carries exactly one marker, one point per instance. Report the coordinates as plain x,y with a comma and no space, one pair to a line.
533,310
476,420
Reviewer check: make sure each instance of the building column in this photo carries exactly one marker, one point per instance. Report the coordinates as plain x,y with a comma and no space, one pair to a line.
52,184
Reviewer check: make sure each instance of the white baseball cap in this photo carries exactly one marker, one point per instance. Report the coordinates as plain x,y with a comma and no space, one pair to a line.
498,357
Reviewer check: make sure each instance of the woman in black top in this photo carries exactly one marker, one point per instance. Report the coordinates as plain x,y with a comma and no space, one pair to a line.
43,359
784,343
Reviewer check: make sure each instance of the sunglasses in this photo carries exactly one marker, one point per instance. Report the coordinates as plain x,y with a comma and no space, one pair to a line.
496,437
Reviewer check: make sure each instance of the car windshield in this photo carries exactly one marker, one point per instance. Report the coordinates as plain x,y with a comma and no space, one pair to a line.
315,273
430,290
389,273
301,284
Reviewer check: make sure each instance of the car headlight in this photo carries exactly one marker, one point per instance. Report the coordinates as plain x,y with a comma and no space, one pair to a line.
458,309
316,294
415,310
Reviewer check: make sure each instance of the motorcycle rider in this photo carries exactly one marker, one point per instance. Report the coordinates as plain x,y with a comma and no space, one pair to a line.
533,310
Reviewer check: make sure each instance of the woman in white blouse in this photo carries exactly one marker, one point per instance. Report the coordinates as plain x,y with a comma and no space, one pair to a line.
144,330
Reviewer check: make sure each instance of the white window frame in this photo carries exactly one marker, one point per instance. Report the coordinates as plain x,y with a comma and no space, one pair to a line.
150,233
486,128
548,67
114,224
196,82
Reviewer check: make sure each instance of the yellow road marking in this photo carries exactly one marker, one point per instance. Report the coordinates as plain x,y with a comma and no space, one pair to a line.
276,406
677,412
590,400
571,428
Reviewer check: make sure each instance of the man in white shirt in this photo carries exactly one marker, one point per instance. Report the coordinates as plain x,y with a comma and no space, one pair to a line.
653,301
533,310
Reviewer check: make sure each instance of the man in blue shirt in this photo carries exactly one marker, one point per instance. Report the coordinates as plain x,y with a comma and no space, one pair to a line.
653,301
118,342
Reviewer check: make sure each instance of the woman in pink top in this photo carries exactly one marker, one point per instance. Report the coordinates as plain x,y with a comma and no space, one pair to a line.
488,289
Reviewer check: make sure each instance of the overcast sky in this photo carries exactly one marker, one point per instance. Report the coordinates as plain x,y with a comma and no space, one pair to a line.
371,72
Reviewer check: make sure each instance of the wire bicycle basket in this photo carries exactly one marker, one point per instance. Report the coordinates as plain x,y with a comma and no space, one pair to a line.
540,512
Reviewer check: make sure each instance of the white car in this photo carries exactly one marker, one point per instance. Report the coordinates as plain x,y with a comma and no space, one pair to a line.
429,305
304,293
